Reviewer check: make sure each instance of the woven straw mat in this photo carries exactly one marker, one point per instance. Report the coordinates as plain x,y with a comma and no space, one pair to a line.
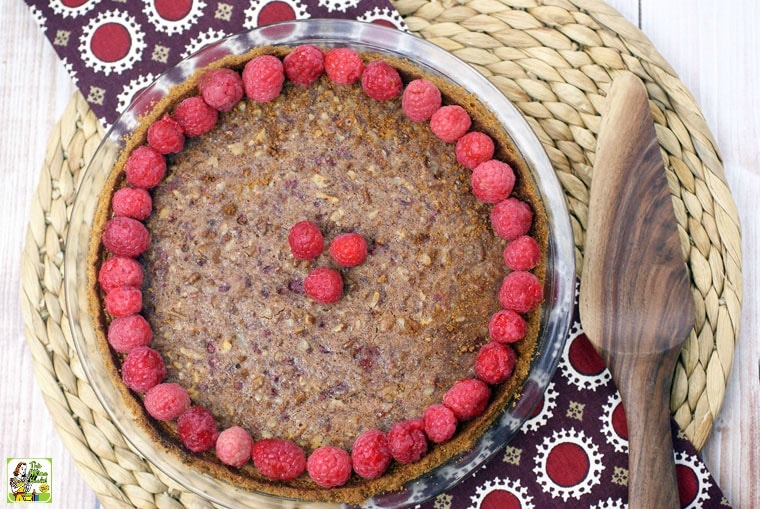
555,62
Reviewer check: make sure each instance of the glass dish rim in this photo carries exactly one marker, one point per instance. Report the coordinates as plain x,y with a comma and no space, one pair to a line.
560,278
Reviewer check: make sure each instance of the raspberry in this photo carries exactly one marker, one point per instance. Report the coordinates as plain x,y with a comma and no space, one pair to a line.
324,285
120,271
506,326
343,65
167,401
511,218
196,428
195,116
492,181
349,249
522,253
407,441
380,81
124,236
233,447
420,100
450,123
440,423
134,202
166,135
145,167
222,89
278,459
520,291
304,64
467,398
474,148
128,332
495,363
142,369
329,466
306,241
123,301
371,454
263,78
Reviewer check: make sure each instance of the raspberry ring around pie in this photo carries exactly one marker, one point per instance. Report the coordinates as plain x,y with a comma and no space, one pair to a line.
529,389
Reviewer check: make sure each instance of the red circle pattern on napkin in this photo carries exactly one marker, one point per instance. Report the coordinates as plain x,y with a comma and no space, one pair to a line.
112,49
573,451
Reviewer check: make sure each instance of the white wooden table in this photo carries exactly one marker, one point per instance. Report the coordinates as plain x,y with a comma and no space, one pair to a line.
712,44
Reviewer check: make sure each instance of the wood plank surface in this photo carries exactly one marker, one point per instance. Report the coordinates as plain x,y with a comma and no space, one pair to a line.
34,89
714,48
713,45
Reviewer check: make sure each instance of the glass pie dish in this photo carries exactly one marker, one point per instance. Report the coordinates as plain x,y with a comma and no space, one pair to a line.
560,272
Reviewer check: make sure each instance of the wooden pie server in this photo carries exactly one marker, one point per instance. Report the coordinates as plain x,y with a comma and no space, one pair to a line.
636,301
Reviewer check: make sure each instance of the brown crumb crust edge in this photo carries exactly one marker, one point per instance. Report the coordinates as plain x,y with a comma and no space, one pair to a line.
357,489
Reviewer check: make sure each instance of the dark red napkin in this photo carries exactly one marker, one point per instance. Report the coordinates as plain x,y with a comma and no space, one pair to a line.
573,451
114,48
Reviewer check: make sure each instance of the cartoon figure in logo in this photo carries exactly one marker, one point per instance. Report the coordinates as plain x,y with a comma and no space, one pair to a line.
20,484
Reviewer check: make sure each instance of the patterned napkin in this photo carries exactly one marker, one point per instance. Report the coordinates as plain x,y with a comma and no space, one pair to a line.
573,451
114,48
